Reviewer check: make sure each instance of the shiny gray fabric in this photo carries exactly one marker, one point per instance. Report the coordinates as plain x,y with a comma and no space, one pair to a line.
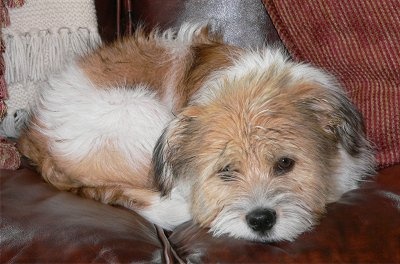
243,22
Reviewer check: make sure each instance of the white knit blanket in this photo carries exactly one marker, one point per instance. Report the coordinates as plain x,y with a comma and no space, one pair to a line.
42,37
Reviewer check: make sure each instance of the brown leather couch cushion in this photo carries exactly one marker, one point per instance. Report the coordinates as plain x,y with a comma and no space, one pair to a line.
41,224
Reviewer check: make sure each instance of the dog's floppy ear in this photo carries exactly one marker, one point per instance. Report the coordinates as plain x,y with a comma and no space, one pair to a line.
339,117
171,155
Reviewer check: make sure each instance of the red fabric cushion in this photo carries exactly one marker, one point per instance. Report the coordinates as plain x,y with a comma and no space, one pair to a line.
358,41
10,159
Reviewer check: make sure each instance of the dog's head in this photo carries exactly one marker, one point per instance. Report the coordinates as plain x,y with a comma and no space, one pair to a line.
263,152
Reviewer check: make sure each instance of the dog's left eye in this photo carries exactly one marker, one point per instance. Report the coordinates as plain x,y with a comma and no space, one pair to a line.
283,165
227,173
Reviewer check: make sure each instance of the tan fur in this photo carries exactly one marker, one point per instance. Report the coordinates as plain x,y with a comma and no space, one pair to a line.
232,131
206,59
144,58
117,195
35,146
129,61
116,170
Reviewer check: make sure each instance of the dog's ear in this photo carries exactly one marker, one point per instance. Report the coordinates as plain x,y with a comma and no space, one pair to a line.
171,155
339,117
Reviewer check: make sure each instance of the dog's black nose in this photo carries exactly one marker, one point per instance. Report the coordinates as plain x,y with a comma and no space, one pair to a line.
261,219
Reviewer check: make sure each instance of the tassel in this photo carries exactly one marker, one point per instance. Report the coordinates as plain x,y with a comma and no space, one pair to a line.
34,55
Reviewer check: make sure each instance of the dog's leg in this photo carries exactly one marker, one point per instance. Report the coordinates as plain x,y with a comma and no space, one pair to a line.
167,212
117,195
32,145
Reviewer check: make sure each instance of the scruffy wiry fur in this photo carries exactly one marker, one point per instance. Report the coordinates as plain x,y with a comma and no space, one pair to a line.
179,125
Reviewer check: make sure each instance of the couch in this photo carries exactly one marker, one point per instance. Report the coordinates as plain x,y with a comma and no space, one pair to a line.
42,224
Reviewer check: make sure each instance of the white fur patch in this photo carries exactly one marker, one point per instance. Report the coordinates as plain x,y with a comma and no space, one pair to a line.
168,212
183,37
261,64
250,62
351,171
79,117
392,196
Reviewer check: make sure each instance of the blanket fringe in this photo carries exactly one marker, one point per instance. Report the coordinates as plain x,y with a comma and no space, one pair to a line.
34,55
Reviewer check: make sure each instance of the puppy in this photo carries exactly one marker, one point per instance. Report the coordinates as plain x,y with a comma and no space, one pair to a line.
179,125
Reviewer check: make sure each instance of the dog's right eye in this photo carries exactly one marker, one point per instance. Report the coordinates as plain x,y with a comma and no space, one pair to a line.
227,173
283,165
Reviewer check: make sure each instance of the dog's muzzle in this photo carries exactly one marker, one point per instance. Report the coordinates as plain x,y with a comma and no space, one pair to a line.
261,220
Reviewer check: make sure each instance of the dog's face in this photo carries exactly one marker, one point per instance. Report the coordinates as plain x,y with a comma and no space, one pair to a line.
261,156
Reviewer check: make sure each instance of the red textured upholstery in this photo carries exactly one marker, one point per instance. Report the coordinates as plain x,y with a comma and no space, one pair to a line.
358,41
